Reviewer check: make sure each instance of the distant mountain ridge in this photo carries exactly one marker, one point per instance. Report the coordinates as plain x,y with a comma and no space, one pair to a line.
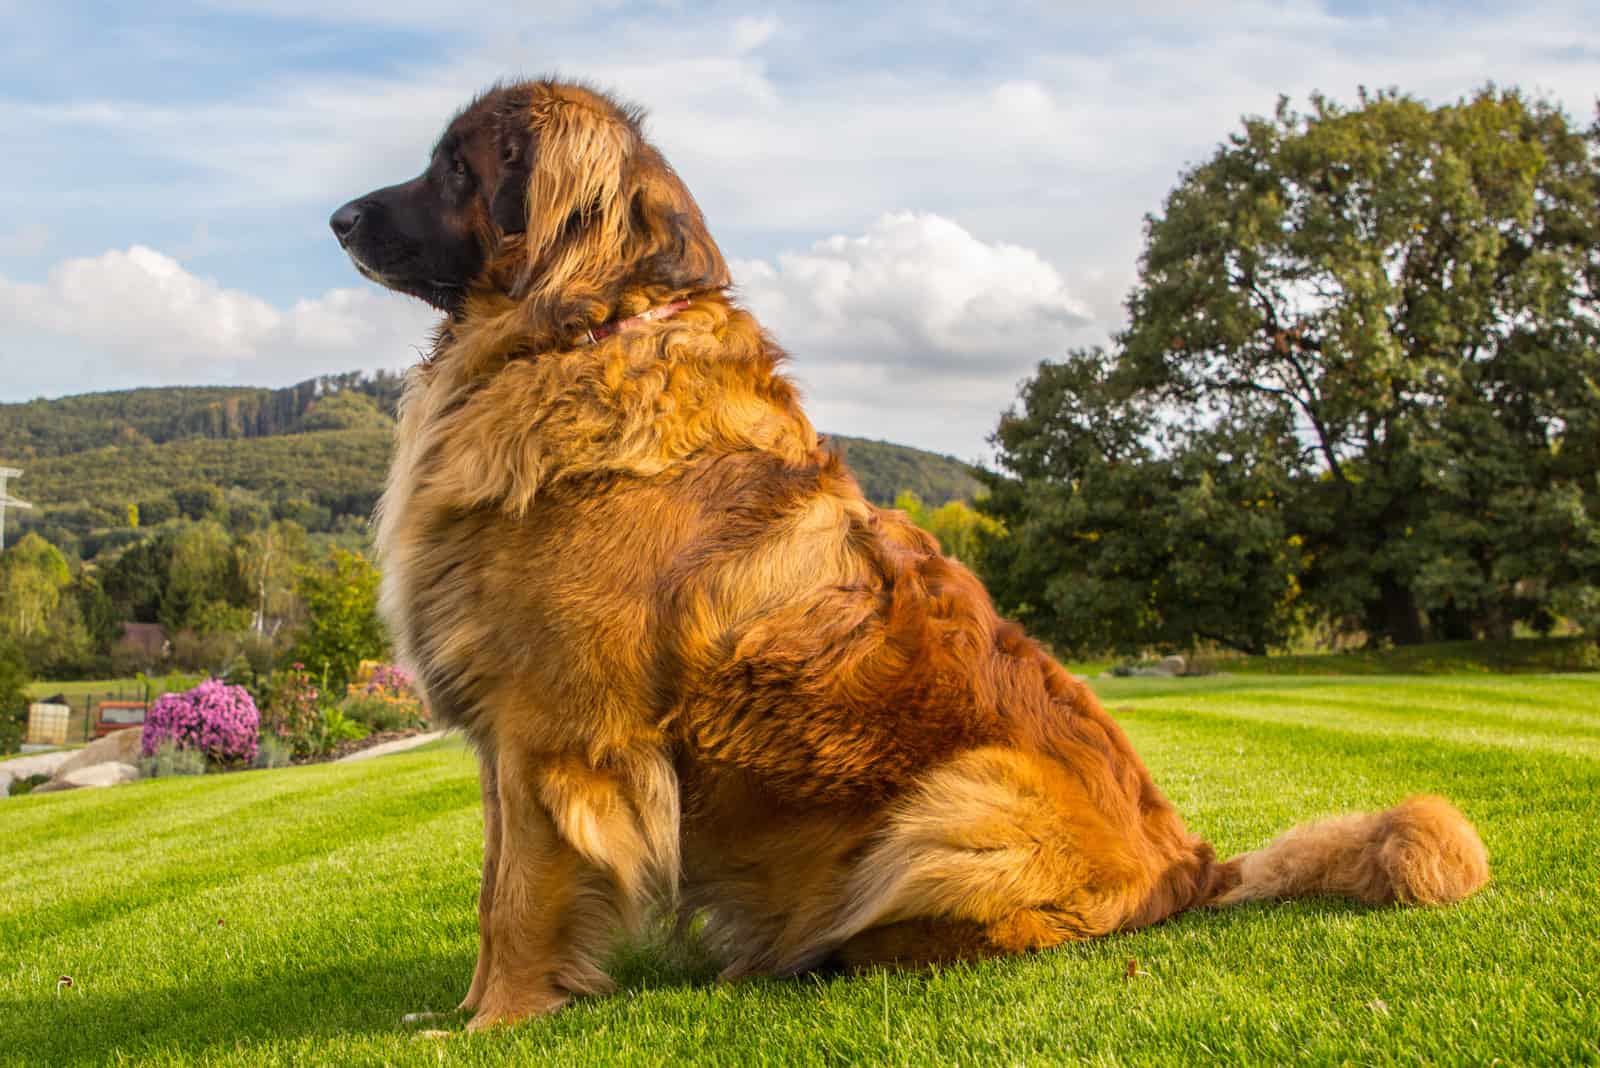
316,451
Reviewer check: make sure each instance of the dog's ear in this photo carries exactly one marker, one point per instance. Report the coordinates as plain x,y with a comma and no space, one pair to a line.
514,144
576,221
668,243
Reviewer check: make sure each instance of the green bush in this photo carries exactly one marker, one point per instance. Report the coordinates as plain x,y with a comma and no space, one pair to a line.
26,784
169,760
383,713
272,752
342,627
337,727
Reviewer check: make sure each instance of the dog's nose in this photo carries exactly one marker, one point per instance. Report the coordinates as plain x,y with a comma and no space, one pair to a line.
344,221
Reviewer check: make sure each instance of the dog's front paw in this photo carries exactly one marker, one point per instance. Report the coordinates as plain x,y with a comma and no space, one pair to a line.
495,1010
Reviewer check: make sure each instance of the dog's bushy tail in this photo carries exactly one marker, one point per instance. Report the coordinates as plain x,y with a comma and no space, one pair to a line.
1420,852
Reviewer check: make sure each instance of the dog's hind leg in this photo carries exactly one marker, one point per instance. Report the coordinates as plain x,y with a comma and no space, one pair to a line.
927,941
1006,851
488,778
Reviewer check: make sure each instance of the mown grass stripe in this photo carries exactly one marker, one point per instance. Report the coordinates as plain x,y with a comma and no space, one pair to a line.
1464,723
1570,695
164,864
1521,712
1333,713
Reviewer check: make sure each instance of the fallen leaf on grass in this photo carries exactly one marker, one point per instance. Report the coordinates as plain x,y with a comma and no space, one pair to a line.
1133,970
65,982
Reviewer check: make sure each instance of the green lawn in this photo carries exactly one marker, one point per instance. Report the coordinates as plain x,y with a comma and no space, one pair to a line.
294,916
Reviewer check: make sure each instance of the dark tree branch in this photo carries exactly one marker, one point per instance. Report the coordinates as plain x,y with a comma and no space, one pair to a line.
1283,343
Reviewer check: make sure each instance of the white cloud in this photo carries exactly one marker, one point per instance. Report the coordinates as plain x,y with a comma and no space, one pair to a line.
913,316
914,291
138,315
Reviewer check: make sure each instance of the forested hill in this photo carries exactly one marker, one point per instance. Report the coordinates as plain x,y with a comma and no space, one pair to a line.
100,465
44,428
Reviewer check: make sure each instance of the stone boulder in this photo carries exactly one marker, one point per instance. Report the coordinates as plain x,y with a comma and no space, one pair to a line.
1165,668
110,773
121,747
29,766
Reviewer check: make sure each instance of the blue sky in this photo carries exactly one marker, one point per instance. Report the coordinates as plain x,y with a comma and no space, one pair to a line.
922,201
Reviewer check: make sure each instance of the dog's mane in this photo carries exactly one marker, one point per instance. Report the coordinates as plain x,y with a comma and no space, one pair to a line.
503,422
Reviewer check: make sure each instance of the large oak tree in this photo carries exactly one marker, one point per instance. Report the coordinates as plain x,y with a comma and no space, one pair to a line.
1393,308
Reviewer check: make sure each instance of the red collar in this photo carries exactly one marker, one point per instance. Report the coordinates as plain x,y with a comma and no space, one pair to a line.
665,311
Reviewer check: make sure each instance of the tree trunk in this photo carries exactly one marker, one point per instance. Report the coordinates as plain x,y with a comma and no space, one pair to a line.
1495,623
1452,624
1394,615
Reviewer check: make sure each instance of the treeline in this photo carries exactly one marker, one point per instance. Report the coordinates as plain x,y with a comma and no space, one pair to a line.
225,602
885,471
45,428
102,499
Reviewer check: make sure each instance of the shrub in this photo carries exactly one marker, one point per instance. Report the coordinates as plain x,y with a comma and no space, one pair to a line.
272,752
210,651
214,719
375,677
168,759
383,713
337,727
292,715
26,784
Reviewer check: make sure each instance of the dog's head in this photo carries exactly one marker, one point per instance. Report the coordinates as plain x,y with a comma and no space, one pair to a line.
545,193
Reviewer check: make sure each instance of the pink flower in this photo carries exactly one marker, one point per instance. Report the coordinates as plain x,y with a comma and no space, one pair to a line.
214,718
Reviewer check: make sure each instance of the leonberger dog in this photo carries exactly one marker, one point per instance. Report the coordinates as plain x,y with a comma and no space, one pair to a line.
698,667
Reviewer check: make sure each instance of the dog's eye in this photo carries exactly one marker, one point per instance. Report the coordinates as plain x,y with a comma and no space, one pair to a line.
459,168
508,153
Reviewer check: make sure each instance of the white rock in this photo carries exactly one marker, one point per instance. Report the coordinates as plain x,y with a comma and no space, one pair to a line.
38,764
120,746
111,773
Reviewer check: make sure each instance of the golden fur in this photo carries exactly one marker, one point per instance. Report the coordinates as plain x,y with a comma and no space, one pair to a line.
700,668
